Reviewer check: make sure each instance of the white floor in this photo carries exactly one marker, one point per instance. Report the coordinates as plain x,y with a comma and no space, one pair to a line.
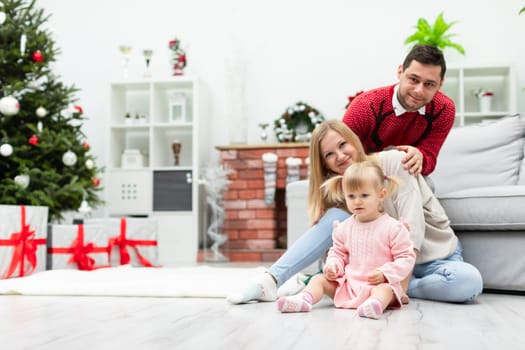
494,321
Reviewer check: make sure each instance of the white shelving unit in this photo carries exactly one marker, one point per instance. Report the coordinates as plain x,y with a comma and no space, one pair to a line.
462,83
148,183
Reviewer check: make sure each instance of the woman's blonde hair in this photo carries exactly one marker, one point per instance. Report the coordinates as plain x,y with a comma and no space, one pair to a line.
317,202
355,177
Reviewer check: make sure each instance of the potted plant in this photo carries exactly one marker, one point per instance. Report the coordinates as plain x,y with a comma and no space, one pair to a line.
437,34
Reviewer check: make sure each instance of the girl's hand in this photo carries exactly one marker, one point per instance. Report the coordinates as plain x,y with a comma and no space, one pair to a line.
331,272
376,277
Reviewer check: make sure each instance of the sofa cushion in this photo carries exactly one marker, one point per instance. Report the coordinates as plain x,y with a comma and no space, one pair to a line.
486,208
485,154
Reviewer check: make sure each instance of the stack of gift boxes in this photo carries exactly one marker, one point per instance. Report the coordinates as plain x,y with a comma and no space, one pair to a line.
28,244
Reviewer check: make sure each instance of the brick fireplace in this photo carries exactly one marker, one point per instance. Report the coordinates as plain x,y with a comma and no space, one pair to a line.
256,230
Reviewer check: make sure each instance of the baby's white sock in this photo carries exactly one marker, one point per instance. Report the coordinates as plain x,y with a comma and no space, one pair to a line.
301,302
370,308
263,288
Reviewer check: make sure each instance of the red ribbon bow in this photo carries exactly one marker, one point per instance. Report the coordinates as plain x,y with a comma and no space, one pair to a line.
122,242
25,246
80,252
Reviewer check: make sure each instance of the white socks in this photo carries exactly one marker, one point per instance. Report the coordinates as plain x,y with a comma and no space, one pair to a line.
301,302
370,308
293,286
263,288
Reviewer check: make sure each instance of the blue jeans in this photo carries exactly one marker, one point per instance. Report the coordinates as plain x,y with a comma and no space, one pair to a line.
309,248
450,280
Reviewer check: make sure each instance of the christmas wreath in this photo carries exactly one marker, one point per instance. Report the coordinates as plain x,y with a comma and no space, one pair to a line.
297,123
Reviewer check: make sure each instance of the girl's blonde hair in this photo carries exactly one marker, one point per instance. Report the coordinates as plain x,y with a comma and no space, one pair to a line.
317,203
355,177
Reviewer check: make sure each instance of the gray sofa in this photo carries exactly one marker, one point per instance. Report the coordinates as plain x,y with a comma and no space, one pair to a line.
480,181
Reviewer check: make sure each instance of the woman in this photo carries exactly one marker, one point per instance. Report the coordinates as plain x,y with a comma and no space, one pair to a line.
440,273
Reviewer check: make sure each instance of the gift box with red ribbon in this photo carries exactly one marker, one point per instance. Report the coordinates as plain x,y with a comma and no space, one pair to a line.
77,247
131,240
23,233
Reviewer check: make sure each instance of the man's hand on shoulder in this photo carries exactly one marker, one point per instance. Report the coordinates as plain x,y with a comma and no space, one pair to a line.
413,160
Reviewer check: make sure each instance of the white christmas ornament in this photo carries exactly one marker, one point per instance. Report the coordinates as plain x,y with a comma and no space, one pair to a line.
9,105
89,164
6,150
2,17
69,158
22,180
41,112
23,40
40,126
84,207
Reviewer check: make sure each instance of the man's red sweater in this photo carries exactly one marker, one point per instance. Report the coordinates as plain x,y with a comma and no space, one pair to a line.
371,116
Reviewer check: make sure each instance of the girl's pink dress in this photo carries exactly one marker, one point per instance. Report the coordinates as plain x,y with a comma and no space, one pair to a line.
360,248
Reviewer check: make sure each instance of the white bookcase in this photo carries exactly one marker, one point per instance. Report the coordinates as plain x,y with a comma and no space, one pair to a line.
462,83
142,177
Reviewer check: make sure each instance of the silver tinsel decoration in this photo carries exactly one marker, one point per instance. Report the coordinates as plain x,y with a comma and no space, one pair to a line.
215,181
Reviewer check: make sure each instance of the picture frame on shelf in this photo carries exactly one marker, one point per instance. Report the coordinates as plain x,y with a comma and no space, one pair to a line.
177,107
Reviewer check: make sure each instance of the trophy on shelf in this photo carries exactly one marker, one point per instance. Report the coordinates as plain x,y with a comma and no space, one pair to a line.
176,147
125,50
147,56
264,134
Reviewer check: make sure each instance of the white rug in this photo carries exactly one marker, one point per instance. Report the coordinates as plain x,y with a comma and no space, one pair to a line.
197,282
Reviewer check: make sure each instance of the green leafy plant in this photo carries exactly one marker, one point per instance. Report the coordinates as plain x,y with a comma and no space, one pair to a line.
522,10
436,35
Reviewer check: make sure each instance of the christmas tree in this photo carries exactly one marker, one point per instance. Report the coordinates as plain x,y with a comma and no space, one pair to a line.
44,156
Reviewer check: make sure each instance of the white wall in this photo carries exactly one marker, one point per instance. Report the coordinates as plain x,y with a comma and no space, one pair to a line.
289,50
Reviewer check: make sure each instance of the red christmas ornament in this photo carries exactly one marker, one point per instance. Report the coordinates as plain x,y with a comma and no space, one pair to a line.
33,140
96,181
79,109
38,56
85,145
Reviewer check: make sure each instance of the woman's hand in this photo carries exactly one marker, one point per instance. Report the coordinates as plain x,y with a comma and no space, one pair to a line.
376,277
413,161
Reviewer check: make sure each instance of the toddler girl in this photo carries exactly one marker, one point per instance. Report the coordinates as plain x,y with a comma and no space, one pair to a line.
371,252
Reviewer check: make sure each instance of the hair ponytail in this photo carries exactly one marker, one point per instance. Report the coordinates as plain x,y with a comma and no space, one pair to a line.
333,190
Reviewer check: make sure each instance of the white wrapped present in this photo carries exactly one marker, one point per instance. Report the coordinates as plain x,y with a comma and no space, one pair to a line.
77,247
23,233
131,240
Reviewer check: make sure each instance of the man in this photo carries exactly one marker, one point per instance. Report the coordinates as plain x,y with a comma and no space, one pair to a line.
413,115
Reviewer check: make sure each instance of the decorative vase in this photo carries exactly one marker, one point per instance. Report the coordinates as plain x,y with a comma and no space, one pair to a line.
485,103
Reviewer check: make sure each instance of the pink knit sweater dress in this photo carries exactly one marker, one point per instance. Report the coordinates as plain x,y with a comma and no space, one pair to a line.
360,248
